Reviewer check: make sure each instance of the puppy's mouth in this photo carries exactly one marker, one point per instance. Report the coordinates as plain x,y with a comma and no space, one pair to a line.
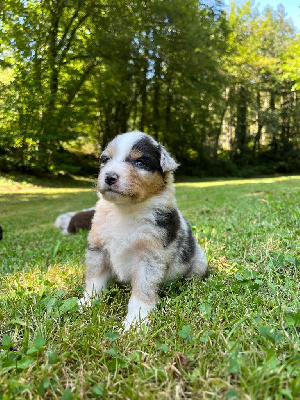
112,192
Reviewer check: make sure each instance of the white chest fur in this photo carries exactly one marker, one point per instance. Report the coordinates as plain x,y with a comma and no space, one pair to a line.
122,233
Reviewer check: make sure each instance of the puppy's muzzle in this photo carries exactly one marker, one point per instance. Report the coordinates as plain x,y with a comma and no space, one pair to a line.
111,178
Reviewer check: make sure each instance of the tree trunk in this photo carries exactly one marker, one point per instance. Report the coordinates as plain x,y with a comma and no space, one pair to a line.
241,124
168,114
143,93
259,124
156,97
274,143
285,121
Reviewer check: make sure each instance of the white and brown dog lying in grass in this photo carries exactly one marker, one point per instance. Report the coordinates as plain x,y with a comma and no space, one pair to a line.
73,221
138,235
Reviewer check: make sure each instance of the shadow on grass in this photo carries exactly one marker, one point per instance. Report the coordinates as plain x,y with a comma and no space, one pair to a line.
68,198
52,181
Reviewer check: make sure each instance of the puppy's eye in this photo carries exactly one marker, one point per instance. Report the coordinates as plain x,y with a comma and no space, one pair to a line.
104,159
139,163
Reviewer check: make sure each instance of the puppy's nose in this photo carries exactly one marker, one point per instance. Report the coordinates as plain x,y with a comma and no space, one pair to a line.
111,178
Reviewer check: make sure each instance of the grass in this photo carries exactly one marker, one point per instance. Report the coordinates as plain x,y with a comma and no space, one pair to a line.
234,336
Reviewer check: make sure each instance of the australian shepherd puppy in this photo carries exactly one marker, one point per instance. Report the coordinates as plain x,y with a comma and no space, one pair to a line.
73,221
138,235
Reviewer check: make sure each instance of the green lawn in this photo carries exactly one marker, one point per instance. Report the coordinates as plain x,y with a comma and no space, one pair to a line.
232,336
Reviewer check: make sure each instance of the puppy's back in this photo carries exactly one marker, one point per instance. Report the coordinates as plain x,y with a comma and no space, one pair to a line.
81,220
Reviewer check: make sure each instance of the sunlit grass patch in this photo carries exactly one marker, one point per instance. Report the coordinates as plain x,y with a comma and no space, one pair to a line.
252,181
234,335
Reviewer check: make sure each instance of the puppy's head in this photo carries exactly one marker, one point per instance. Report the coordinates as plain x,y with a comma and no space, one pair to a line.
133,168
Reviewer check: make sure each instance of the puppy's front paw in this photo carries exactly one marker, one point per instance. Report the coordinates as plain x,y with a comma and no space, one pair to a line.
137,313
135,323
127,324
84,302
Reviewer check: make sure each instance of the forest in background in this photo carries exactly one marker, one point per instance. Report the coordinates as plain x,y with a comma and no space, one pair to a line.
220,89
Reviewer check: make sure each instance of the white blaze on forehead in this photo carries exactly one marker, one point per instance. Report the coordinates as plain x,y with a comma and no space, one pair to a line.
124,143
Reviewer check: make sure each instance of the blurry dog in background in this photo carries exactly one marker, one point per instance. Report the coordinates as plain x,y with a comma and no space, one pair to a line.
138,235
73,221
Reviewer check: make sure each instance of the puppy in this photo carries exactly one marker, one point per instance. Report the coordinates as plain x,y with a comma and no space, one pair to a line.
81,220
138,235
72,221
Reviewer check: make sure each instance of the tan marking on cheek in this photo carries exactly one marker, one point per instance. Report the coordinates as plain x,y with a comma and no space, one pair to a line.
135,154
127,168
137,185
146,186
157,184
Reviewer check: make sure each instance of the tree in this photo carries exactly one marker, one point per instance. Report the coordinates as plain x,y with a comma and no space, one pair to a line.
258,45
44,40
218,90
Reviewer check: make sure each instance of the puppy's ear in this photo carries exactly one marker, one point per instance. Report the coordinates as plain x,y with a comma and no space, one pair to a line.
167,163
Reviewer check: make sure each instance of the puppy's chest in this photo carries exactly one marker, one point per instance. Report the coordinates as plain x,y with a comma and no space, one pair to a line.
127,239
125,230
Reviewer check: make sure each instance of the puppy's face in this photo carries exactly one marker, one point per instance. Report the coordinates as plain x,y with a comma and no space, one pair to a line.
133,168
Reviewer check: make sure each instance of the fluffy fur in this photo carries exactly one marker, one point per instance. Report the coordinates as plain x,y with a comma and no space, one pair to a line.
81,220
72,221
138,235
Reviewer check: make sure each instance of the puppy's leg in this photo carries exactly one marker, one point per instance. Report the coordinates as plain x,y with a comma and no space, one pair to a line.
198,264
98,272
144,292
138,310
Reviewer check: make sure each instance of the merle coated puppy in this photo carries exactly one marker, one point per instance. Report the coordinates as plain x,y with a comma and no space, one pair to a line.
138,235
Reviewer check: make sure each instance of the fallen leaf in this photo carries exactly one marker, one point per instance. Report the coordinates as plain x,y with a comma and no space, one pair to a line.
181,359
173,369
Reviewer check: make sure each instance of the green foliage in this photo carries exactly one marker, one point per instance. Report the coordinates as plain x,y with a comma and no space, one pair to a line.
291,65
186,334
219,90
